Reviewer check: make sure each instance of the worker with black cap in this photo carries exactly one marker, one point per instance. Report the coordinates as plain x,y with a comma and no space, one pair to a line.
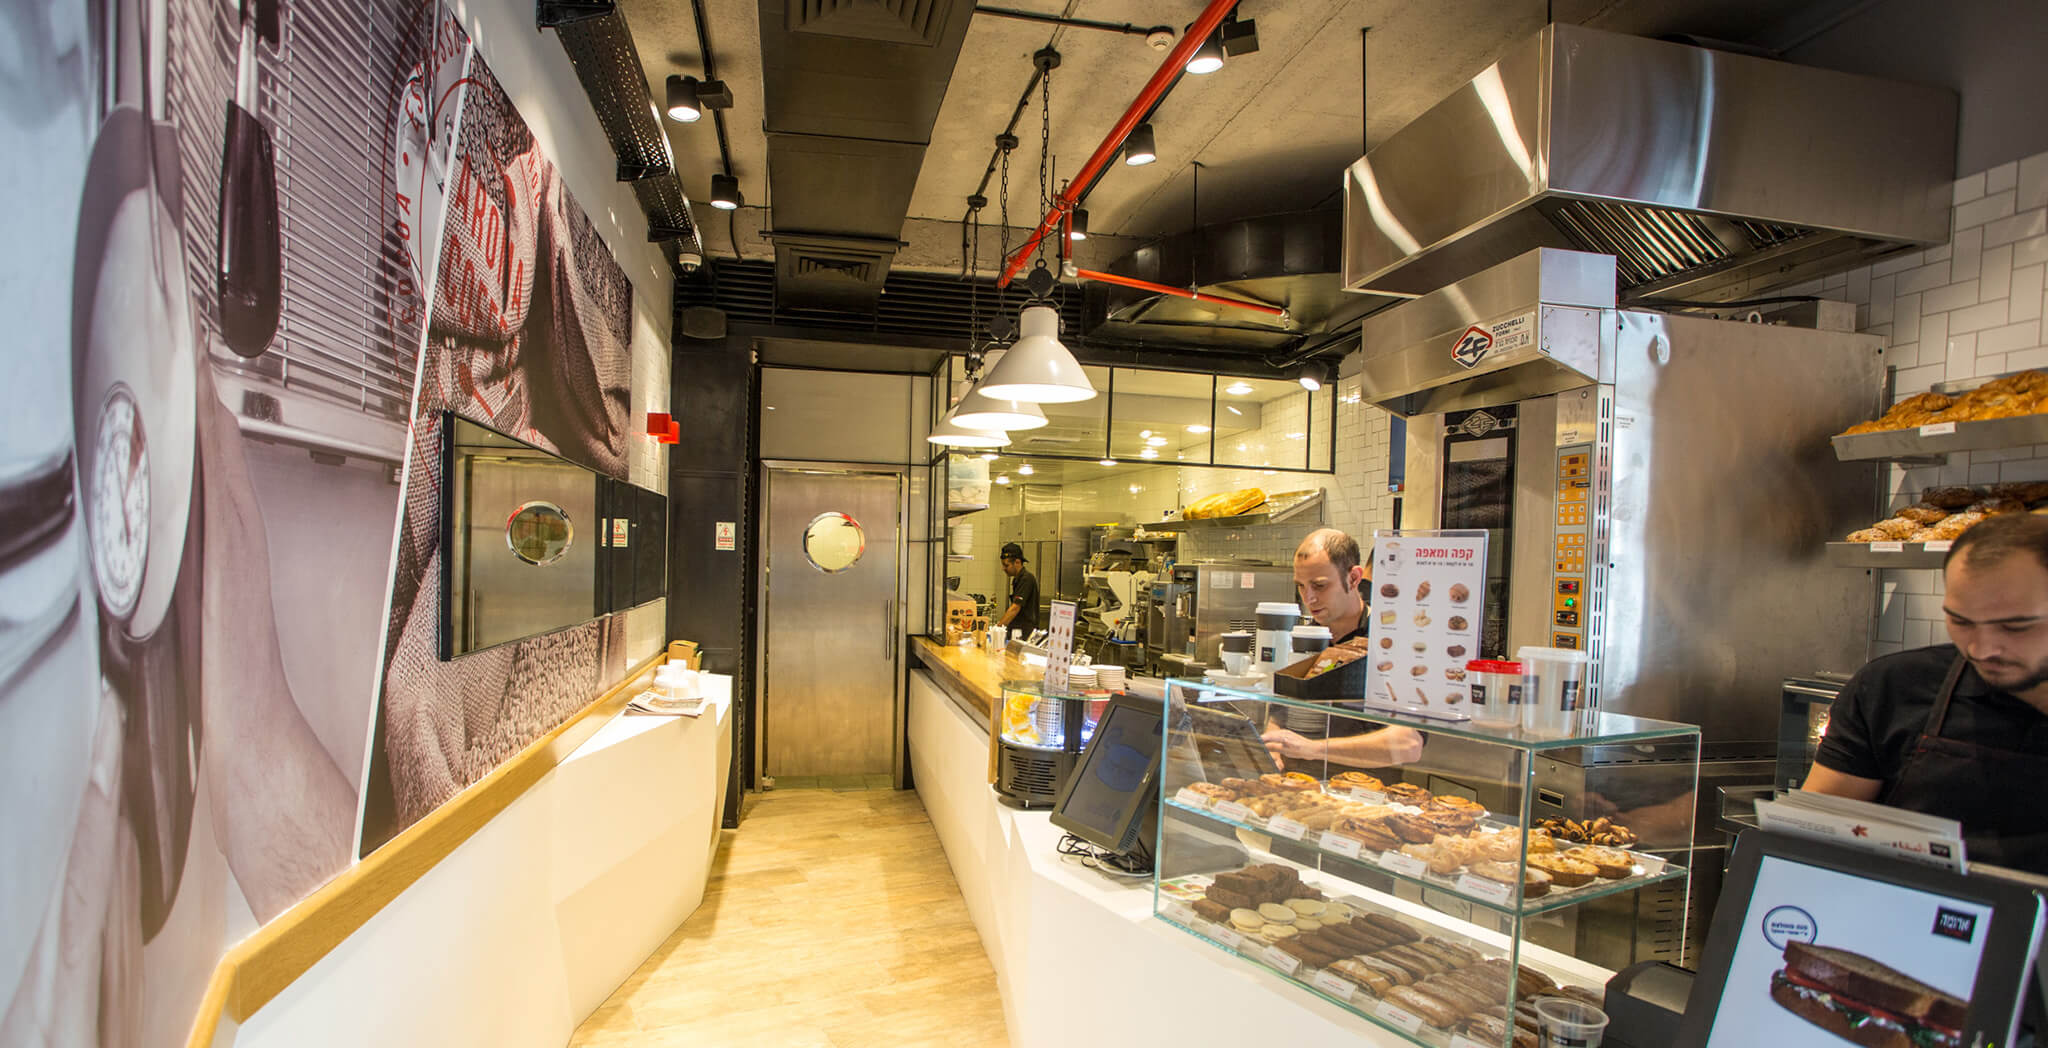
1021,617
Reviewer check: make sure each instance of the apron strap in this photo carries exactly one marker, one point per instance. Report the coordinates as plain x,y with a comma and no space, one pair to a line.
1939,713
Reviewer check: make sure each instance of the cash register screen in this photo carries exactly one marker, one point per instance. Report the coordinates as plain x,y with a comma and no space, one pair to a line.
1103,802
1822,954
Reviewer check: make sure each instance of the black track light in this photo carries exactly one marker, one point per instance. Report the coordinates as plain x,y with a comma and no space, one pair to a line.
725,192
1138,149
689,97
1209,57
1313,375
683,106
1238,36
1077,226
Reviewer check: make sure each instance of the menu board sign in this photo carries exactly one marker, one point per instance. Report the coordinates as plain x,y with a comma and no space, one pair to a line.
1059,646
1428,597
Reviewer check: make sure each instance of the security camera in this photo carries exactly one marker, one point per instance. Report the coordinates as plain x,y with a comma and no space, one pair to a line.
689,260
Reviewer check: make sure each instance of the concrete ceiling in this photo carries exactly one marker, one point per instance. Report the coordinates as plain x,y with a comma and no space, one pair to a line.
1273,130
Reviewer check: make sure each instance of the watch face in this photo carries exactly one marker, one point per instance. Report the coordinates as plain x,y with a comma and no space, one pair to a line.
118,511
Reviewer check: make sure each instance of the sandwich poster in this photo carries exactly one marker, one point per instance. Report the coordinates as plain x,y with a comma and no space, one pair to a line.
1829,959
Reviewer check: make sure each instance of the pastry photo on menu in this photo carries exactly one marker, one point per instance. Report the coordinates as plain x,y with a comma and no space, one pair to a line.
1457,623
1422,590
1390,591
1460,593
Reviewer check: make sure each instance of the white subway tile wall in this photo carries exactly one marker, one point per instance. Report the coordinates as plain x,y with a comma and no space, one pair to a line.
1969,309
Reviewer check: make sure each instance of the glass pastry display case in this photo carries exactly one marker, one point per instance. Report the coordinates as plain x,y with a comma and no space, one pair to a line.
1404,869
1041,733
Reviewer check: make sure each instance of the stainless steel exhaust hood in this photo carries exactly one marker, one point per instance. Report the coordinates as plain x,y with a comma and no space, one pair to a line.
1707,175
1539,324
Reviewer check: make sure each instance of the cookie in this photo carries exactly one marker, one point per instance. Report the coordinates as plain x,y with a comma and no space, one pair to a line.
1246,920
1308,907
1274,912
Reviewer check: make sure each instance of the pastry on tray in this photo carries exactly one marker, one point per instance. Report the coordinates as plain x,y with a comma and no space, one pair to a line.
1565,870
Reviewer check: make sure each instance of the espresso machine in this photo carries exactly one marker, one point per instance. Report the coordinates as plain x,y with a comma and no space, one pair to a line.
1207,600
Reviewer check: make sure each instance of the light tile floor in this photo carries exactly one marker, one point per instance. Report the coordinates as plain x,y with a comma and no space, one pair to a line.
831,920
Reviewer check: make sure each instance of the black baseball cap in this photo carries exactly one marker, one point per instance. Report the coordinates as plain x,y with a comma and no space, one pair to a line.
1012,551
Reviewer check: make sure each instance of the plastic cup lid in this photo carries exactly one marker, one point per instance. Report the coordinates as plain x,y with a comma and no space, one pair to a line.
1270,607
1553,655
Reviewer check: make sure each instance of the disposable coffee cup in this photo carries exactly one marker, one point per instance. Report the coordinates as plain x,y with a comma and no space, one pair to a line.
1276,635
1553,689
1496,688
1567,1023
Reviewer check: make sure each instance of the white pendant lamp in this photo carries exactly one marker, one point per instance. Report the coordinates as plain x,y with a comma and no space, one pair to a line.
954,436
1038,369
978,410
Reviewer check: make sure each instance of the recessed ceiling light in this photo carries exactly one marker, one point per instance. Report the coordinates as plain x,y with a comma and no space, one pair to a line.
1005,479
1106,462
1135,488
1296,436
1198,428
1144,433
1149,453
1240,447
1233,410
1238,388
989,456
1156,442
771,407
1025,469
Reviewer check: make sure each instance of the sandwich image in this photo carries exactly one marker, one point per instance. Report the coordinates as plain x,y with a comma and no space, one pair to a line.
1865,1002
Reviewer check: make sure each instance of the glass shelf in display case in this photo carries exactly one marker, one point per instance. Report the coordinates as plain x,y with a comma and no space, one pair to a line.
1430,877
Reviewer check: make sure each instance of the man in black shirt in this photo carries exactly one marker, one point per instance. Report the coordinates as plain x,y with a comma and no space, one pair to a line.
1332,579
1021,617
1961,730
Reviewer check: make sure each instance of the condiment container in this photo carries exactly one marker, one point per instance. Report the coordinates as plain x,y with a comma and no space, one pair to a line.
1496,693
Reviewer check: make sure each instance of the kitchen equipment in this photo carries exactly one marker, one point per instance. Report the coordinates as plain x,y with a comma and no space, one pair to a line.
1628,514
1712,175
1219,597
1042,736
1804,704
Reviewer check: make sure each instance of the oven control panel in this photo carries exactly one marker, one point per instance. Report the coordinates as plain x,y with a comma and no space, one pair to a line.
1568,575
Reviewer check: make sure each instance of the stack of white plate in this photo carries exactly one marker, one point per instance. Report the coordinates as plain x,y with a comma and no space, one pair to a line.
1109,677
962,538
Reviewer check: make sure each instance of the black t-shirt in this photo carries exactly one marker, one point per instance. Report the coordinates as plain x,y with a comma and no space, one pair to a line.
1879,715
1024,592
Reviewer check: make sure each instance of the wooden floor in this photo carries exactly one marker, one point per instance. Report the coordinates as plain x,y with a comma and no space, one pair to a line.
831,920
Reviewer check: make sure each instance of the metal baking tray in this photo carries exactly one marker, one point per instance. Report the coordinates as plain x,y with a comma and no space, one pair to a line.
1942,438
1882,554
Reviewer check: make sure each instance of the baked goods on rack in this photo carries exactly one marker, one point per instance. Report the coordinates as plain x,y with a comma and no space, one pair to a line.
1225,504
1603,830
1945,513
2024,393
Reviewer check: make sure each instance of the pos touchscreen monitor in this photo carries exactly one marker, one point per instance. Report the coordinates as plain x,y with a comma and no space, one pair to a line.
1116,784
1815,946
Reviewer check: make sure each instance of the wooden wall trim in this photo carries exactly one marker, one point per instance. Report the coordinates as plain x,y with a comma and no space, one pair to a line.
257,969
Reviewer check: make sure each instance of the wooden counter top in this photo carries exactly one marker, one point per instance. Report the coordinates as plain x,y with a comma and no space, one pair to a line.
972,672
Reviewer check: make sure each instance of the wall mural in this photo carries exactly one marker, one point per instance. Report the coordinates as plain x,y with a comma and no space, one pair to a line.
226,259
529,334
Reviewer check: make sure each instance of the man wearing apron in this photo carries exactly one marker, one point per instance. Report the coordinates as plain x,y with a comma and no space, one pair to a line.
1961,730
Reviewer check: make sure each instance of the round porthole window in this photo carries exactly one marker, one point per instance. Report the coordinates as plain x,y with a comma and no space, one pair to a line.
834,541
539,533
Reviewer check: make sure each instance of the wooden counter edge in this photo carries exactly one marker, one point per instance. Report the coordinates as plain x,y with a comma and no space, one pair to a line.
935,657
257,969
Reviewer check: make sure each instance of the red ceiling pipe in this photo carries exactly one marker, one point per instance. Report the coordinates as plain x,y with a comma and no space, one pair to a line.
1176,59
1146,285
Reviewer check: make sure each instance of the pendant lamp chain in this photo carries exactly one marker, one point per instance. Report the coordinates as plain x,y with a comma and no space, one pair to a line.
1044,153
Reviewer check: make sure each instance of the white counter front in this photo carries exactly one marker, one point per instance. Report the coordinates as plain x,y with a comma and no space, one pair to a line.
526,927
1078,957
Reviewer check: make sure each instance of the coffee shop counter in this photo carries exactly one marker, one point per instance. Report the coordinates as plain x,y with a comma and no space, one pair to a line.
971,675
1077,954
